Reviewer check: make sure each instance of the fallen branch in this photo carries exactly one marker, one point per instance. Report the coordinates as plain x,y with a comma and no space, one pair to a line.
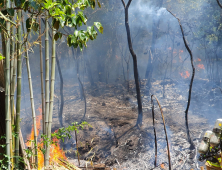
192,146
168,149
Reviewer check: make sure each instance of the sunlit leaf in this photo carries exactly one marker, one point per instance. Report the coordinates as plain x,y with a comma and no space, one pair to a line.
99,27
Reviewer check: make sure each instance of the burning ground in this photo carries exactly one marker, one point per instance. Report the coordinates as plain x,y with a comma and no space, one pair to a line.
113,138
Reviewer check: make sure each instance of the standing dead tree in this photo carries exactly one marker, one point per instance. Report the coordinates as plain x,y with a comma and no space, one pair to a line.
191,84
136,75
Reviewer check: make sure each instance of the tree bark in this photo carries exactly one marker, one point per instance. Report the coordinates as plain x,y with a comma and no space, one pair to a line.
136,75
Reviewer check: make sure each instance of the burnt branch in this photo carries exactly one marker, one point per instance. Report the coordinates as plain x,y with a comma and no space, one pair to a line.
220,5
191,83
168,148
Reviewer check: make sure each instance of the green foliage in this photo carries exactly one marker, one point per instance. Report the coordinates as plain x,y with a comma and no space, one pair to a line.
1,57
62,133
6,158
64,14
65,132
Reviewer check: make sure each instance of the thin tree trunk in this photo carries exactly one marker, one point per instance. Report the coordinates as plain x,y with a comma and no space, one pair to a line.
7,91
46,82
51,93
80,83
192,146
31,99
61,91
19,85
42,81
136,76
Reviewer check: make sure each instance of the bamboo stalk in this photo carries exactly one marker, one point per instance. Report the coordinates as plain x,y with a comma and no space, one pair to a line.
7,91
53,63
31,99
46,157
19,83
12,84
42,81
12,101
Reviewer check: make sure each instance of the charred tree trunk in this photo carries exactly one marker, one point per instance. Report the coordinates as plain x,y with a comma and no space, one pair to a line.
192,146
136,75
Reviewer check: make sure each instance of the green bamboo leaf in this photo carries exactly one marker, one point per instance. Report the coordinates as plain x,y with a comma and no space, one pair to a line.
55,23
56,36
68,10
98,3
28,24
26,6
11,11
19,3
99,27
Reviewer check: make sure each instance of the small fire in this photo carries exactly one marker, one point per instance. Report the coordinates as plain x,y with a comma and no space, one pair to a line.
201,66
198,59
186,75
38,125
181,51
169,48
55,150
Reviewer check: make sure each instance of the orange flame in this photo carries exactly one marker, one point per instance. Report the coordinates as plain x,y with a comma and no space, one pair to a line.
185,75
55,150
201,66
181,51
38,125
198,59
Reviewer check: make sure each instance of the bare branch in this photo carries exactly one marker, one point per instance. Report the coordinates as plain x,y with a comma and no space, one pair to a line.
6,19
123,3
128,4
219,3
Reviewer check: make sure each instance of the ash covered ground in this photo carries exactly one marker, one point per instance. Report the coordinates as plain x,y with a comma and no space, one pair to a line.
113,138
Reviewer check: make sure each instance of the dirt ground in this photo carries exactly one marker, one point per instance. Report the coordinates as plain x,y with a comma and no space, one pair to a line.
114,139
